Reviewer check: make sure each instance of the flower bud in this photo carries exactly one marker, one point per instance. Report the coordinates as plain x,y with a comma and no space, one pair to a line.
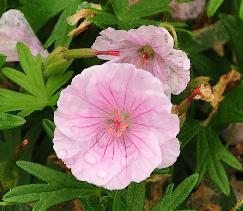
56,62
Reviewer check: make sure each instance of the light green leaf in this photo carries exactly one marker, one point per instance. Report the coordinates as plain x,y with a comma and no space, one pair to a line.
60,188
213,6
38,94
10,121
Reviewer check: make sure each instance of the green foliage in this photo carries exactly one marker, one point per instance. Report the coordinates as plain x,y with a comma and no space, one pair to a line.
173,198
131,199
230,110
212,45
130,16
234,27
59,188
213,6
49,127
61,29
8,121
38,94
210,155
3,6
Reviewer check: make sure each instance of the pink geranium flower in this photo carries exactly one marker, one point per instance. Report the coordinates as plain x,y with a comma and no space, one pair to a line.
114,125
149,48
187,10
15,28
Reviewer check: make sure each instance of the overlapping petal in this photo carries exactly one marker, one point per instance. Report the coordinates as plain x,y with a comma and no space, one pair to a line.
112,123
149,48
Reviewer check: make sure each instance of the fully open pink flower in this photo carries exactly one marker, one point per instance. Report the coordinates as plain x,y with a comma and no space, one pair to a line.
149,48
15,28
114,126
187,10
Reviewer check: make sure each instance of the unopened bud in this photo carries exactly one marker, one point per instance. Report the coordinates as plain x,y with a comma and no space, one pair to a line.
56,62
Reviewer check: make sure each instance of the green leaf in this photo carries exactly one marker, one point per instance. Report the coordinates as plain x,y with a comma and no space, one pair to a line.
234,27
189,130
118,204
44,10
135,196
54,83
210,154
241,10
61,29
10,121
38,95
2,60
3,6
120,7
49,127
202,153
230,109
146,8
217,174
60,188
173,199
213,6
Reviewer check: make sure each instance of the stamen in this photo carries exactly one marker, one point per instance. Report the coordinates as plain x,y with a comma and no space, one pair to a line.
146,52
117,123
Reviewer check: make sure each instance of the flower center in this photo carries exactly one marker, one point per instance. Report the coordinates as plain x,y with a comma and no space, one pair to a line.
146,52
117,123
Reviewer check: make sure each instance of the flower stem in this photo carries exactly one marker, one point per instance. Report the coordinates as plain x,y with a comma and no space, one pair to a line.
171,28
80,53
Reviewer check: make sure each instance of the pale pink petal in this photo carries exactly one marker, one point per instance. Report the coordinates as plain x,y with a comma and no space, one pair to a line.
149,48
187,10
113,116
169,152
15,28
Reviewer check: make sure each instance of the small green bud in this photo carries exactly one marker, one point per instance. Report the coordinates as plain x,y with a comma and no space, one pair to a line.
56,62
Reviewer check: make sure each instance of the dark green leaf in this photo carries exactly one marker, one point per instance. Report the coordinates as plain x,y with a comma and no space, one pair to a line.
118,204
178,195
135,196
189,130
44,10
230,109
234,27
61,29
49,127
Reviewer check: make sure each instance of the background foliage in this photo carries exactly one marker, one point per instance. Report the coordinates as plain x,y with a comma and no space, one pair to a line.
206,159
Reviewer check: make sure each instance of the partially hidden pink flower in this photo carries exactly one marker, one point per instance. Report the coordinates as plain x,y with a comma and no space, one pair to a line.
114,125
149,48
187,10
15,28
